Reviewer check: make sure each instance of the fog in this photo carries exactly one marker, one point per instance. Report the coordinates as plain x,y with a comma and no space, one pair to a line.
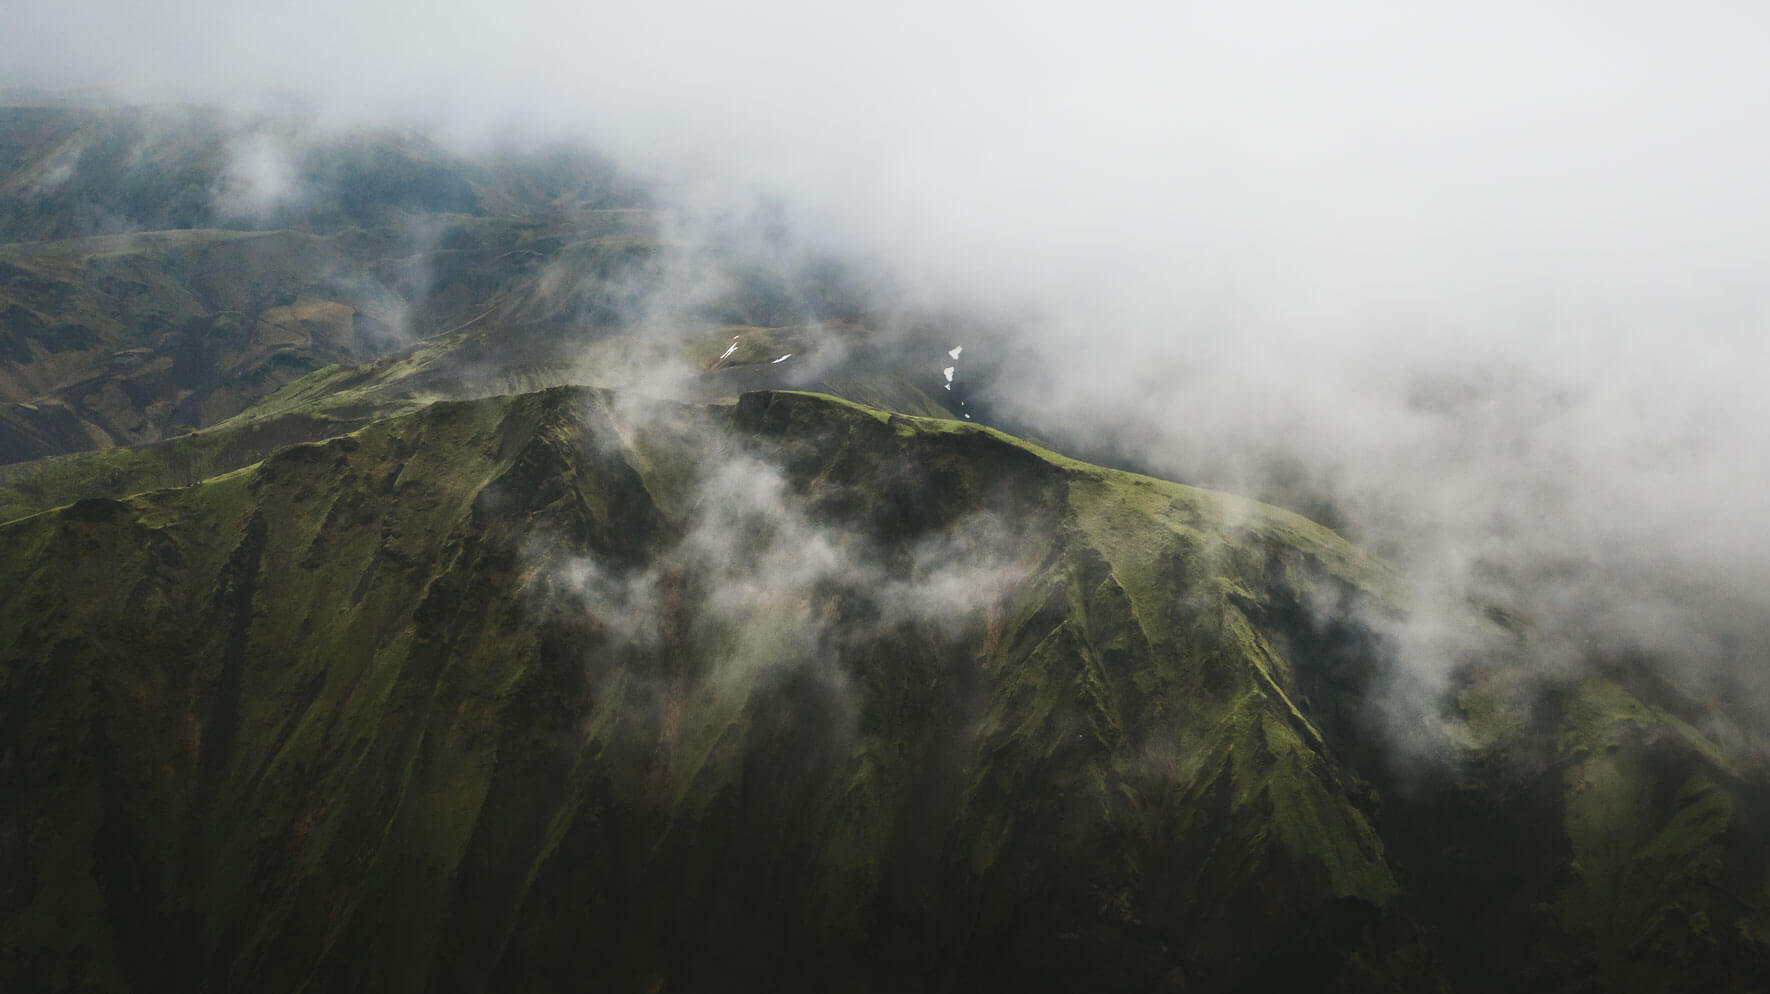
1484,284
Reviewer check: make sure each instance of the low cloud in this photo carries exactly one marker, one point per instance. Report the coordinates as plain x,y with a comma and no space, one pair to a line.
758,578
1481,285
262,175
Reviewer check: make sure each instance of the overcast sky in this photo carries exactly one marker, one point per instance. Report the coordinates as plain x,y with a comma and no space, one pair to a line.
1491,276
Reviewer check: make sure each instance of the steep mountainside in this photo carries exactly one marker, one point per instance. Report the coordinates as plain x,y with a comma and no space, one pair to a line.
565,688
515,692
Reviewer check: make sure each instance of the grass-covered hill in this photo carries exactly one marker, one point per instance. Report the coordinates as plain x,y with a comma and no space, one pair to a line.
553,688
567,689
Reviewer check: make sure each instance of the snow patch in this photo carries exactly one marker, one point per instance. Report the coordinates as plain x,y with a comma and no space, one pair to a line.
954,352
782,359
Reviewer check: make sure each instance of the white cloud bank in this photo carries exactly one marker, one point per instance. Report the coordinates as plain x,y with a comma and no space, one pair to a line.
1493,278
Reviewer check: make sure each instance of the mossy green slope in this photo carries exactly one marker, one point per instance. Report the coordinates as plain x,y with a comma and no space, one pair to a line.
343,720
1597,830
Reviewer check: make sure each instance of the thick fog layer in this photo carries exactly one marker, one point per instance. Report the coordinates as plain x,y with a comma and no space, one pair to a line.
1485,284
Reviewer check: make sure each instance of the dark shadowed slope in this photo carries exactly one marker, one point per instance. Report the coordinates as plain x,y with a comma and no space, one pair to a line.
476,696
564,689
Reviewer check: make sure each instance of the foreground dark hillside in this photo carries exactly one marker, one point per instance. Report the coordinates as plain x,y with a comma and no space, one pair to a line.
563,689
376,713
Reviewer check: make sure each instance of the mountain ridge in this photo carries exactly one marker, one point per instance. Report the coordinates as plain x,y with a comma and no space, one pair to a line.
364,623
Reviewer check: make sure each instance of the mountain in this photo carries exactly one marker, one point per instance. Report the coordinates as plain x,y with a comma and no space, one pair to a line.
433,612
366,679
566,687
